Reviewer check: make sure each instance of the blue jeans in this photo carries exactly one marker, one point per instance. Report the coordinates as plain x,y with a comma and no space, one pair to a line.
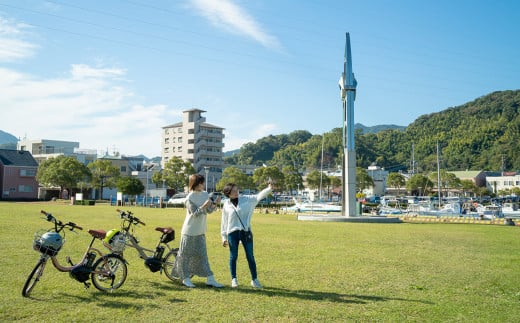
234,238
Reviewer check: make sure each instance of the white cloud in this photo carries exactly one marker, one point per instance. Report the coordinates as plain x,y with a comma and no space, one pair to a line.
94,110
12,48
229,16
80,71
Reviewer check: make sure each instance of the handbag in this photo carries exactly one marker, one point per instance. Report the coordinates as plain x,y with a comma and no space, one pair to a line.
248,234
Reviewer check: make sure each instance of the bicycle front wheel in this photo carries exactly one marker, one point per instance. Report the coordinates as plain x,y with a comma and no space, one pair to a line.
34,277
168,263
109,273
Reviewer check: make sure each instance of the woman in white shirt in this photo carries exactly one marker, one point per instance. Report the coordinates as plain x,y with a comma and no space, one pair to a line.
236,227
192,258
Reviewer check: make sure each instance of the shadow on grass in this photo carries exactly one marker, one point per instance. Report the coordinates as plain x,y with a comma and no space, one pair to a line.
325,296
122,298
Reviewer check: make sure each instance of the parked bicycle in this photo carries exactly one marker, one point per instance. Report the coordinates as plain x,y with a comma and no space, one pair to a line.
107,273
161,259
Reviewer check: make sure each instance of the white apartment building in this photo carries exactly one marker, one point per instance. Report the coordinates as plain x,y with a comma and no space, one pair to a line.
196,141
499,183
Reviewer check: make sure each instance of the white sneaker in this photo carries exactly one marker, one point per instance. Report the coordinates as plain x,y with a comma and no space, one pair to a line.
234,283
187,282
255,283
212,282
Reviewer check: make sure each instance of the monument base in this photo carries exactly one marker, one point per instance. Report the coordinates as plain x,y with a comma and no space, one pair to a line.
355,219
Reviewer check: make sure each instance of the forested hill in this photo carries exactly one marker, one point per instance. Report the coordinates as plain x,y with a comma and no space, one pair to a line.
480,135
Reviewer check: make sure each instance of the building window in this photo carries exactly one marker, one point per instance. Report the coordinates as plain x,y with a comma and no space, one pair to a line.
166,140
25,188
166,150
123,169
179,149
28,172
179,139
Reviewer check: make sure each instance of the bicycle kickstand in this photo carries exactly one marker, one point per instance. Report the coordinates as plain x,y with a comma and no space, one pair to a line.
87,285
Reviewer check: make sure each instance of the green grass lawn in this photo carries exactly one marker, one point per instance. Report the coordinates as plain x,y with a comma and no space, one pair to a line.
311,271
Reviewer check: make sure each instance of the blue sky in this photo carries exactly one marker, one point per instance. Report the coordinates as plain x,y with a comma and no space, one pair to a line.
111,73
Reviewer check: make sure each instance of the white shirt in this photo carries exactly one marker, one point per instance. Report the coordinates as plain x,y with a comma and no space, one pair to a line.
244,210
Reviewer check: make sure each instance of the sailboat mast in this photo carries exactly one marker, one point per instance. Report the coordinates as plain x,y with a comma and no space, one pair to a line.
438,175
321,169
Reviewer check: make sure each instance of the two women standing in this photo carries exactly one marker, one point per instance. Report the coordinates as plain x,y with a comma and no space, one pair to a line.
237,211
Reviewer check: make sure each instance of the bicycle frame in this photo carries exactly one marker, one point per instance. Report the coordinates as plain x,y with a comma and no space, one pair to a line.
102,272
62,268
162,257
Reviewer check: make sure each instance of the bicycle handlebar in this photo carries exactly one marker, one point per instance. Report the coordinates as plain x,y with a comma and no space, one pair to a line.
60,224
128,216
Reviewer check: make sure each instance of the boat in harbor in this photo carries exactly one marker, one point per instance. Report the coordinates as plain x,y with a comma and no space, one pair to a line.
510,210
306,205
425,206
389,205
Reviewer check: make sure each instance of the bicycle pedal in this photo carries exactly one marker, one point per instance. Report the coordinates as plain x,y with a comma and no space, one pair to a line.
87,285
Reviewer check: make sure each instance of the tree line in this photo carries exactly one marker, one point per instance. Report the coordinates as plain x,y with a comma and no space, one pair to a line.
483,134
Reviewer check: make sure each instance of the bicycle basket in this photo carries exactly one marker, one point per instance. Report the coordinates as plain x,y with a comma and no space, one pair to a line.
168,237
115,240
48,242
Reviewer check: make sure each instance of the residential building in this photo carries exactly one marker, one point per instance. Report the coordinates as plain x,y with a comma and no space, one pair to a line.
196,141
379,177
130,166
42,149
18,175
478,177
501,183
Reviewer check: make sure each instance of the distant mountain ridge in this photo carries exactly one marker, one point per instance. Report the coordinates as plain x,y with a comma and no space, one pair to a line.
378,128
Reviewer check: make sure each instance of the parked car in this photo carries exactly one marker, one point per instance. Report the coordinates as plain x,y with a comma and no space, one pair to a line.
178,198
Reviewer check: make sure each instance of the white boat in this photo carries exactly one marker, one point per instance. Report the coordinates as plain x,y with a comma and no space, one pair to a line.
306,205
489,212
510,210
386,208
425,206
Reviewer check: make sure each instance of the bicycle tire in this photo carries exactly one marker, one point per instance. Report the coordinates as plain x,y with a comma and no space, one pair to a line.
110,273
34,277
168,262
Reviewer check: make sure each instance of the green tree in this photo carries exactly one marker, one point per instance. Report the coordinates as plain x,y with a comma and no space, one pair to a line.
292,178
363,180
62,171
419,184
468,186
262,175
314,179
129,185
157,179
103,174
176,173
234,175
396,180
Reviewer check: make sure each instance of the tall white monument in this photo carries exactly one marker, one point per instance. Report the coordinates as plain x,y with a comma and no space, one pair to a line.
347,85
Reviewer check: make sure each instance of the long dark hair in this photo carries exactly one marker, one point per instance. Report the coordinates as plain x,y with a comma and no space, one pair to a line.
195,180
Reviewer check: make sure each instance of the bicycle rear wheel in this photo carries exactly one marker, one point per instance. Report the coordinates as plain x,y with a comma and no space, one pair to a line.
168,263
34,277
109,273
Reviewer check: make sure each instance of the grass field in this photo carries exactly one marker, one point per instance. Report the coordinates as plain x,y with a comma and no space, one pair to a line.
311,271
